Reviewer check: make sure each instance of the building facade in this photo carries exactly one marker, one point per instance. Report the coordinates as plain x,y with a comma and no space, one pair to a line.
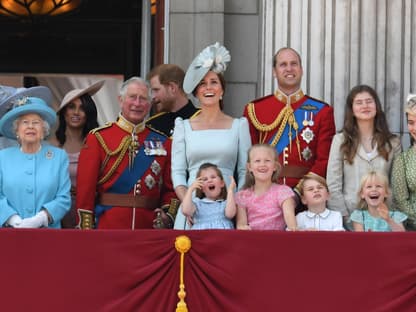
342,43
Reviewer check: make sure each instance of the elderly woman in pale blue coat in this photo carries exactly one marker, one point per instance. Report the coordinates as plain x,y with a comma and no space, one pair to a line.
34,178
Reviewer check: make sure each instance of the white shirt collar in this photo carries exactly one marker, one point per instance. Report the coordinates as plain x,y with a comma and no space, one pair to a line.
324,214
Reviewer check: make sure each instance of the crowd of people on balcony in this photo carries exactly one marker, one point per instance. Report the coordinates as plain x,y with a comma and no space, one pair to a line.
166,163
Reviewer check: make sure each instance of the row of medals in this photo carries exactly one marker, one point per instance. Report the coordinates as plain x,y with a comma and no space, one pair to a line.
307,134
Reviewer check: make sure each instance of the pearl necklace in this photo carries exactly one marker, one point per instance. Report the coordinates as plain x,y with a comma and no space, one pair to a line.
40,147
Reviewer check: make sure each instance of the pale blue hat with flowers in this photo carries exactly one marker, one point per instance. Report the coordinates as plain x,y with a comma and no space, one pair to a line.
214,57
25,101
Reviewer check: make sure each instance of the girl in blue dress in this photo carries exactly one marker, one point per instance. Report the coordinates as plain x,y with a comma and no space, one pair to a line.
213,207
373,213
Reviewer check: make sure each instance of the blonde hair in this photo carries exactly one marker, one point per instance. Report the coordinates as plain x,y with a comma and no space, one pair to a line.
369,176
250,181
314,177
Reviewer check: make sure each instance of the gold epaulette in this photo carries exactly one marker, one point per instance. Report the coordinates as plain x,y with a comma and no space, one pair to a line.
195,114
155,116
155,130
107,125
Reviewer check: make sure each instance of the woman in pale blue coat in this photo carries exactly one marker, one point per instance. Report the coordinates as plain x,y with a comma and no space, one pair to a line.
210,135
34,178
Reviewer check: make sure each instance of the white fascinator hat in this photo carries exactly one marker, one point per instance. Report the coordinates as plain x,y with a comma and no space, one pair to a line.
410,106
213,58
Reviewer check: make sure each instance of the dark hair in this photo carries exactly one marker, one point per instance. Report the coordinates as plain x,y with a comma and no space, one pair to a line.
90,109
250,181
222,81
168,73
382,134
284,49
199,193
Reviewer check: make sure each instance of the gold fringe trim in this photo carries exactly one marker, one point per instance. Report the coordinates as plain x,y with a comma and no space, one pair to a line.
122,149
182,245
281,120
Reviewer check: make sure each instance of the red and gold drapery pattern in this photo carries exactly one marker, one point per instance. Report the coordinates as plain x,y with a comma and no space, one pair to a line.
70,270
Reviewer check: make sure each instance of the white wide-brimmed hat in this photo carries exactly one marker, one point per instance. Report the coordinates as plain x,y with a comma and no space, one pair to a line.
23,106
214,57
9,96
76,93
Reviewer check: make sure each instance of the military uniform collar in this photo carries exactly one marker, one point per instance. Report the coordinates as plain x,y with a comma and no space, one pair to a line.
189,107
126,125
289,99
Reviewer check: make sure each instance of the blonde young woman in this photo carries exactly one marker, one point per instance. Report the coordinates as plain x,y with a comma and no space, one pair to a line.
364,144
403,177
210,136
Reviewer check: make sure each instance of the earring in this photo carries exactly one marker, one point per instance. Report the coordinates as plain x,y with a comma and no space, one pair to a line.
220,97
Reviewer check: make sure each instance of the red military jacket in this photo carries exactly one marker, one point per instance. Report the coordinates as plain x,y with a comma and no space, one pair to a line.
300,127
118,159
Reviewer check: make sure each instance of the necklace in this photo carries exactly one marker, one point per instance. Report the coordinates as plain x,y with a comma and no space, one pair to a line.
40,147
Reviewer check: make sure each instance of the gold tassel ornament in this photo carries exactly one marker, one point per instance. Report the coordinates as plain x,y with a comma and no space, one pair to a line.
182,245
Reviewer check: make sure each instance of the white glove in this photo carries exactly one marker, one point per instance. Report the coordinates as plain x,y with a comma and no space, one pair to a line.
14,220
37,221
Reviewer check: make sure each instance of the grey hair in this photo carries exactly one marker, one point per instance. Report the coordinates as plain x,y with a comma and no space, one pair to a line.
134,79
46,127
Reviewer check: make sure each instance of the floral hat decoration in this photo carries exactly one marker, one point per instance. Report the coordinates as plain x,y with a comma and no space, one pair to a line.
214,57
25,102
10,95
411,104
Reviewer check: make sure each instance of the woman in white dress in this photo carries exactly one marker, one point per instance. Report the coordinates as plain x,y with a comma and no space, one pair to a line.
211,135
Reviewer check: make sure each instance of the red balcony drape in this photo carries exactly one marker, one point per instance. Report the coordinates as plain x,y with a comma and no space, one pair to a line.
225,270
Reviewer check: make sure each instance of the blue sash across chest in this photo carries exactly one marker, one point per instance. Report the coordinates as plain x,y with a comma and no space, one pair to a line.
129,177
310,105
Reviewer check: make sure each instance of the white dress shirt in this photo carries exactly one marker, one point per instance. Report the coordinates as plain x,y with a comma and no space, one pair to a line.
328,220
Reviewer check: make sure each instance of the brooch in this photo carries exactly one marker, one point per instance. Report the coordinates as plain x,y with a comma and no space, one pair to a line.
307,135
155,167
307,153
149,181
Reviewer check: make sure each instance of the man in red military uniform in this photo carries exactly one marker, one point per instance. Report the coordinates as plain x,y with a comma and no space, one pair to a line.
298,126
124,171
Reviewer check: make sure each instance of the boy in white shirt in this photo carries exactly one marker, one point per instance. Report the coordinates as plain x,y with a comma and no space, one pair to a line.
314,194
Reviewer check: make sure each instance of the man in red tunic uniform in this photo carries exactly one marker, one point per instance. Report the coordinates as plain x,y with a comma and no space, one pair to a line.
298,126
124,169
